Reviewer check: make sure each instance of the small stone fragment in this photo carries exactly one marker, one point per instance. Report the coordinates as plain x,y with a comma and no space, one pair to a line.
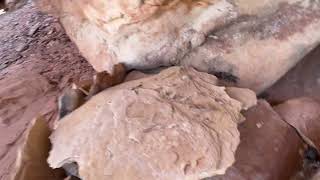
259,125
246,96
34,29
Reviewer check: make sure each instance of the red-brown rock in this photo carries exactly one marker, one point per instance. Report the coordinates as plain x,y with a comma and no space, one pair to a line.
269,148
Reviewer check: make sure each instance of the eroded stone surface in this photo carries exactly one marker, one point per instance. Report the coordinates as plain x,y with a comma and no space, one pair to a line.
175,125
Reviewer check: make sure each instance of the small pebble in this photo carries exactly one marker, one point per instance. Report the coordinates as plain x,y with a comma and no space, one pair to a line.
213,37
259,125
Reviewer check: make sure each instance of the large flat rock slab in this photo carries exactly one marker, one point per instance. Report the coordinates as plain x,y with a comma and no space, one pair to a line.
178,124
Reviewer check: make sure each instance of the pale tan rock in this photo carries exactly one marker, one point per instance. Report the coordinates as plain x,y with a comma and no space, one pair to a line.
247,97
175,125
142,34
264,40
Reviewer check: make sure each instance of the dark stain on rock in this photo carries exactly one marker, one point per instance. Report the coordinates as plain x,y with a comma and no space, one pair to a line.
222,70
263,95
228,77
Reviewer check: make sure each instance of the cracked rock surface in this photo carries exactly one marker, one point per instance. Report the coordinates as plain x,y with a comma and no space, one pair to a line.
177,124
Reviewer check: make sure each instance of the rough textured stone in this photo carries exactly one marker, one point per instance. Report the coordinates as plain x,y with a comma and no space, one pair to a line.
175,125
261,44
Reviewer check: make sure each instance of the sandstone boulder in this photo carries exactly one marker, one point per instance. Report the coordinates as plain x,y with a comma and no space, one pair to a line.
178,124
249,43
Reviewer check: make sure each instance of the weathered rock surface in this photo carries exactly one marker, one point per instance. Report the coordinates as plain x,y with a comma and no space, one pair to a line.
246,97
269,147
261,44
175,125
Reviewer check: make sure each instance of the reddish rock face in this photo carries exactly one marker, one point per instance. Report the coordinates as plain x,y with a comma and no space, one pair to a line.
269,147
20,102
304,115
261,44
